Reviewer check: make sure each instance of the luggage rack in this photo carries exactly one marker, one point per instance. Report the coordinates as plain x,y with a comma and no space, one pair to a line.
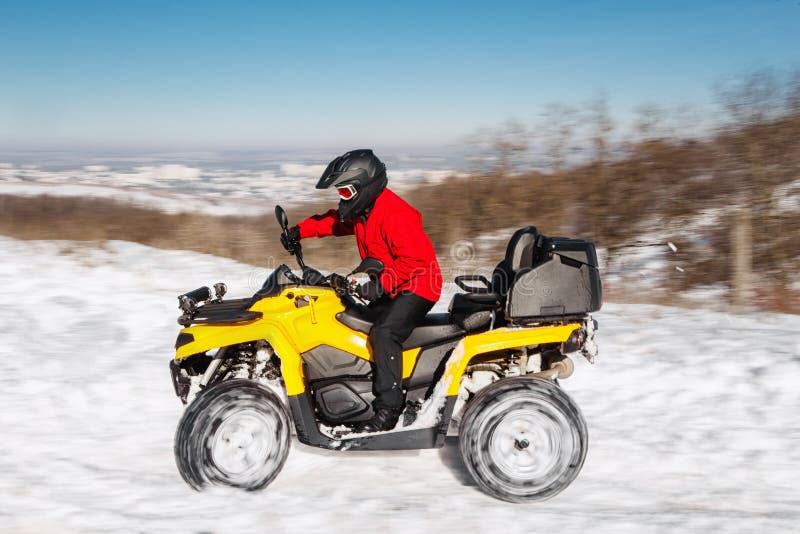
229,311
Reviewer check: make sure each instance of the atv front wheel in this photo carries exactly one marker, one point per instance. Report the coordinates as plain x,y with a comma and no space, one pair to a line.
523,439
235,433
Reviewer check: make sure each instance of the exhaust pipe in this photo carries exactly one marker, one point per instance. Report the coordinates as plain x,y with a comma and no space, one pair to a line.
562,368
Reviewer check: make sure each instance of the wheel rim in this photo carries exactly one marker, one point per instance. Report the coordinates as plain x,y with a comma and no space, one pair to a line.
245,445
531,446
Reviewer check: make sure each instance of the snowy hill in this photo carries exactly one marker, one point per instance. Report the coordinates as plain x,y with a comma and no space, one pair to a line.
692,418
213,190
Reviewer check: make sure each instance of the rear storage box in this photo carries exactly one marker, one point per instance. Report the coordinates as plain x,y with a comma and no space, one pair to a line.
564,280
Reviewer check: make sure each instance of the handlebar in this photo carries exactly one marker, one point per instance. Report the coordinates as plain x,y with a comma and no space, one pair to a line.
342,285
313,277
283,222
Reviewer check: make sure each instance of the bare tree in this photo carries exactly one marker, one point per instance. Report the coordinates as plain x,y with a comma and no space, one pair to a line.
510,146
753,98
499,150
649,123
479,154
556,131
600,210
752,165
599,120
793,95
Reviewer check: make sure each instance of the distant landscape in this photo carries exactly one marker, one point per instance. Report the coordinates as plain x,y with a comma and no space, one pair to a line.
631,196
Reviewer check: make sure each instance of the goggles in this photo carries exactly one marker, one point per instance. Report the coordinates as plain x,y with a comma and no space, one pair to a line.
346,192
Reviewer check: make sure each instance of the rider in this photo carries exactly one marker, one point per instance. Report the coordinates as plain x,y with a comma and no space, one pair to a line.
389,229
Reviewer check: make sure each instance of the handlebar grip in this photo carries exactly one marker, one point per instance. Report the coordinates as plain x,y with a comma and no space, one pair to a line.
339,283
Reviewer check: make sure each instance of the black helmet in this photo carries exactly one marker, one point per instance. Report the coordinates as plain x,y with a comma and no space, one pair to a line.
360,177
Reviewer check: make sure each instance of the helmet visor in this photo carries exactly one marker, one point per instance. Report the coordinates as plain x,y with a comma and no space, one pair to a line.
347,192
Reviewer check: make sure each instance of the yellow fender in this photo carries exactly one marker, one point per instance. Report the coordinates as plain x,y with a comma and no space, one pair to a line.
207,337
499,339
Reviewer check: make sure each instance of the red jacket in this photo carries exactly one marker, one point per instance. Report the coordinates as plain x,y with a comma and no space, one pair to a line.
392,232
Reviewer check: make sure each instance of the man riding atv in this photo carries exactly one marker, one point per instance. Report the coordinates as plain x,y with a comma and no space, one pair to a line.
389,229
302,355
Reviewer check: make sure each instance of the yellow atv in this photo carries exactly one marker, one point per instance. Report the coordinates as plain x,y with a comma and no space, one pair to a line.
296,353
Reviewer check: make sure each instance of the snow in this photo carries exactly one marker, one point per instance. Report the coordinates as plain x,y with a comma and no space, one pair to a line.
179,188
641,265
692,417
712,296
647,262
786,197
166,201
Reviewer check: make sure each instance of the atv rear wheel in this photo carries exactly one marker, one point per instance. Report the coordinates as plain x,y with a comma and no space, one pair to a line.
235,433
523,439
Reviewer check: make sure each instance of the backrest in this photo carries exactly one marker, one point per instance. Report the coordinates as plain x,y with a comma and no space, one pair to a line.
521,253
520,250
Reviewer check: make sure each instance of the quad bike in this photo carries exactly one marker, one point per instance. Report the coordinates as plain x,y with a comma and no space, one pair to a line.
296,354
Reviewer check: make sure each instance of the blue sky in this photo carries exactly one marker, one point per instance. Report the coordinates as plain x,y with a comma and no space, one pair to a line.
235,74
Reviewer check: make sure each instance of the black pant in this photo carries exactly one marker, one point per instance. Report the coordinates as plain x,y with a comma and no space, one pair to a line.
395,319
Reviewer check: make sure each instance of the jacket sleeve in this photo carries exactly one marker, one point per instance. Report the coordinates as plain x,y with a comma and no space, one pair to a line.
411,249
324,225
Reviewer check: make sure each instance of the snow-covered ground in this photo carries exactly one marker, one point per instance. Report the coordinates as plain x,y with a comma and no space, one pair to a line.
693,419
199,187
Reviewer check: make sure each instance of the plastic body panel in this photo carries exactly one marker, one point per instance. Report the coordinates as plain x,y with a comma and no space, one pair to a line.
499,339
295,321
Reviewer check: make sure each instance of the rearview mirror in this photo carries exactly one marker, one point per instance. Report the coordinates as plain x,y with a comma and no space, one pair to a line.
281,217
372,267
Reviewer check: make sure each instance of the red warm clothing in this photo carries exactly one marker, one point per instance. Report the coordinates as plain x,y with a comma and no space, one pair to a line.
392,232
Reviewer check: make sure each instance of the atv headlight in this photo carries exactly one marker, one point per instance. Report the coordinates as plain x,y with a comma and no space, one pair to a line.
187,305
219,290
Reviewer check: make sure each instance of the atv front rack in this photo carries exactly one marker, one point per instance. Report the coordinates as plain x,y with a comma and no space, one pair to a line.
229,311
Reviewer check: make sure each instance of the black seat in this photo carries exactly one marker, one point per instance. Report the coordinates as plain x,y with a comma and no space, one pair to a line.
473,311
435,327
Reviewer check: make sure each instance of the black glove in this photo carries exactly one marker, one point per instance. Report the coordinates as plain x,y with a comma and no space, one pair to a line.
339,283
370,291
291,239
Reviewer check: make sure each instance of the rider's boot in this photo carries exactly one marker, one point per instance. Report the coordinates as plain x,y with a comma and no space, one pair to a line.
383,420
